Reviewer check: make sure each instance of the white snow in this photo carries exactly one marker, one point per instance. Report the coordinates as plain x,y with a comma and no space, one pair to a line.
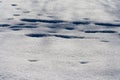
60,53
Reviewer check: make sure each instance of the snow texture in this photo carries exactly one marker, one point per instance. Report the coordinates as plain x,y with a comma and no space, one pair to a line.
59,40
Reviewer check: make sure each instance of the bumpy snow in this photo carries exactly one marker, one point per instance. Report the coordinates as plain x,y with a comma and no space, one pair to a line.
59,40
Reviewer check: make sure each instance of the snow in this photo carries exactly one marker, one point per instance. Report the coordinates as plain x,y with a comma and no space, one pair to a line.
59,40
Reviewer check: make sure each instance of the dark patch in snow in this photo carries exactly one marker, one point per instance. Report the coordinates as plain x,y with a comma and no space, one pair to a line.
23,26
51,31
50,16
81,22
4,25
66,26
104,41
55,27
56,35
119,34
83,62
16,29
102,31
43,21
38,35
26,11
117,20
108,24
13,4
10,18
86,18
18,8
39,14
32,60
69,28
16,14
68,37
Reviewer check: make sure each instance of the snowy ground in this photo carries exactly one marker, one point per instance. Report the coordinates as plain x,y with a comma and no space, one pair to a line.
59,40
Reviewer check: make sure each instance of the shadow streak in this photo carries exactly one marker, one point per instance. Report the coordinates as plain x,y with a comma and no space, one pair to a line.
59,36
44,21
108,24
103,31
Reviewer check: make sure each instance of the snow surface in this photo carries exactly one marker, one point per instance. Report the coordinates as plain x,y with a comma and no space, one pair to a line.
59,40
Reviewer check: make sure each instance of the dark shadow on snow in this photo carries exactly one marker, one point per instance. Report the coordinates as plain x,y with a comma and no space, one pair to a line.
32,60
56,21
13,4
16,14
84,62
69,37
10,19
108,24
102,31
23,26
56,35
38,35
16,29
69,28
81,22
53,31
4,25
54,26
43,21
